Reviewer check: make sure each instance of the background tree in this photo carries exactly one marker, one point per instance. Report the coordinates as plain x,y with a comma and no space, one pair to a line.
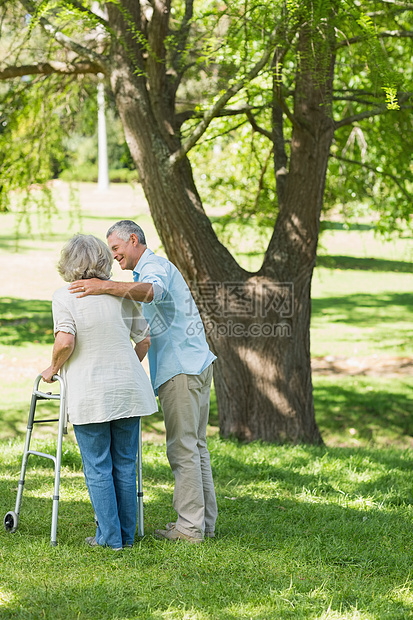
305,80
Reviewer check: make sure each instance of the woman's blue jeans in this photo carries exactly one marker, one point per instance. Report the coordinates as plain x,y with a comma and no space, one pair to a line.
108,451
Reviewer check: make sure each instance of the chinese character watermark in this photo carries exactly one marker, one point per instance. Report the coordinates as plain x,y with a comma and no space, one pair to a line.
229,309
237,309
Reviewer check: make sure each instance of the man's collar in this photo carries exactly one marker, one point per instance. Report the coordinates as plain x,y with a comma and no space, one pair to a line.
142,259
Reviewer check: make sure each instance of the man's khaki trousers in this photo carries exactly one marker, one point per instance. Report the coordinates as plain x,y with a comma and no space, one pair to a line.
185,403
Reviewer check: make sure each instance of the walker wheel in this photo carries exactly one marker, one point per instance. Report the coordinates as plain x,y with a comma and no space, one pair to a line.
11,521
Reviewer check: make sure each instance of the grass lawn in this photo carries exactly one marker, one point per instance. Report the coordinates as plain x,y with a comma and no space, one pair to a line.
303,532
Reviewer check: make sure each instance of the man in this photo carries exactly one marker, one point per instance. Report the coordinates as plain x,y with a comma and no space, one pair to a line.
181,373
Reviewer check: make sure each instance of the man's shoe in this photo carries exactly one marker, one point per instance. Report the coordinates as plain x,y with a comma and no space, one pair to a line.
91,541
173,534
172,524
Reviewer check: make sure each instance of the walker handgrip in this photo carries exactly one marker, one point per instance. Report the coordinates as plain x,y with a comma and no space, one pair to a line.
47,395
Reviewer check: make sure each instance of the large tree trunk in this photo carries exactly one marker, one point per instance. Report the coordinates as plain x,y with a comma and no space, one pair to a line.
262,375
257,324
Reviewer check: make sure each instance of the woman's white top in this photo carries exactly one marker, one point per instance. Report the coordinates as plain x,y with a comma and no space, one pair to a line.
104,377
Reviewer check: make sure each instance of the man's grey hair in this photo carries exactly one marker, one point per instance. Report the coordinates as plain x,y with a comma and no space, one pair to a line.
125,228
83,257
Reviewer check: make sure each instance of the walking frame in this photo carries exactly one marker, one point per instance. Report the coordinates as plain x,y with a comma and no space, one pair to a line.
11,519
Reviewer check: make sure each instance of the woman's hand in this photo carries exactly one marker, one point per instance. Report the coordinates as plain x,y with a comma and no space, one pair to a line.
48,374
142,347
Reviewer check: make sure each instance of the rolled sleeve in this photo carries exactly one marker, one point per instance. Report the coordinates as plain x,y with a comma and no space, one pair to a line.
159,286
139,329
63,320
158,292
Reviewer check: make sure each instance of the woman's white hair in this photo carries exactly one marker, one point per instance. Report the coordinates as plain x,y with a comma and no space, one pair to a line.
83,257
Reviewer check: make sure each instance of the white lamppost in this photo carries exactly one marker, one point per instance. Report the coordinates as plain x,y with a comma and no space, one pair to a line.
103,175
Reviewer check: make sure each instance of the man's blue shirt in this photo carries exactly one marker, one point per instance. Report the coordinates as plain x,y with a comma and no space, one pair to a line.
178,343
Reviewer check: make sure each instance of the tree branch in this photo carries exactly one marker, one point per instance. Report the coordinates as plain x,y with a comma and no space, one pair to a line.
160,85
182,117
355,99
256,127
182,36
284,107
398,3
94,16
366,102
174,77
219,105
157,32
261,179
277,65
47,68
62,38
278,110
373,169
380,35
386,12
370,113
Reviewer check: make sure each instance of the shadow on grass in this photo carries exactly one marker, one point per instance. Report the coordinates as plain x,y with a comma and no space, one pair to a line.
13,420
328,225
154,424
294,553
70,458
26,242
365,309
362,405
364,264
25,321
35,518
85,603
391,476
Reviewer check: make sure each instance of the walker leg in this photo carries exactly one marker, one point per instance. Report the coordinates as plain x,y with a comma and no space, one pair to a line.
11,520
58,462
139,481
53,535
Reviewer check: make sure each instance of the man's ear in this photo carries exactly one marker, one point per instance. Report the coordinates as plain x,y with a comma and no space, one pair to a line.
134,239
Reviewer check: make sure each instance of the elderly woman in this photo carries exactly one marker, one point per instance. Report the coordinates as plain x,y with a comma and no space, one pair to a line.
107,387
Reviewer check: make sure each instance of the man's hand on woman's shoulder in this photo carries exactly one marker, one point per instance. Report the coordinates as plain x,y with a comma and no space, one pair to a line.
93,286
